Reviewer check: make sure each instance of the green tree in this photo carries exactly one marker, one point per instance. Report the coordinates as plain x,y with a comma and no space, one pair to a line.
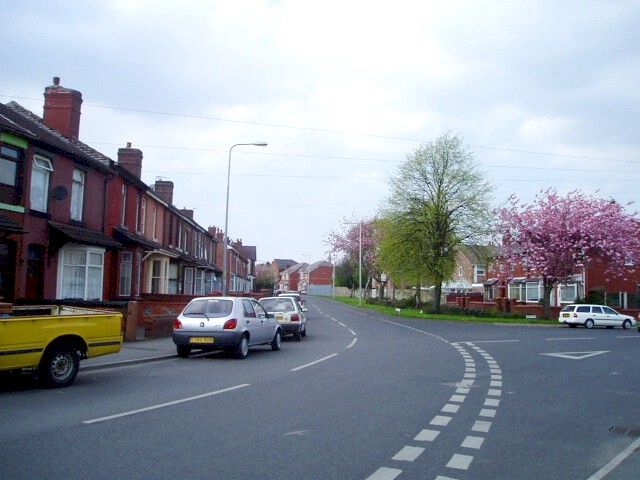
439,199
347,274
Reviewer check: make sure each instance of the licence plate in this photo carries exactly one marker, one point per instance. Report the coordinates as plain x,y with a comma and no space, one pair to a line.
279,316
566,315
201,339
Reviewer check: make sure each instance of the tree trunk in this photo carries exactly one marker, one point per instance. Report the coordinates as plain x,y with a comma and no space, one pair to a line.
437,292
418,295
546,301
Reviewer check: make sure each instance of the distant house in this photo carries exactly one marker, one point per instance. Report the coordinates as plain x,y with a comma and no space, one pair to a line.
319,276
290,278
470,271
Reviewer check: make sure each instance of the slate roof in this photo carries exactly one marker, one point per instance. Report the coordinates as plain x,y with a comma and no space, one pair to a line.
24,122
283,264
316,265
250,252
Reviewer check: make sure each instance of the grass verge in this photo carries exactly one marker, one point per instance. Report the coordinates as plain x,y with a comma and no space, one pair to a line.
416,313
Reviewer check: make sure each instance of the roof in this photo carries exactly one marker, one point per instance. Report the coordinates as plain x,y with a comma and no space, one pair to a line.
250,252
479,254
9,225
283,264
321,263
295,268
20,119
83,235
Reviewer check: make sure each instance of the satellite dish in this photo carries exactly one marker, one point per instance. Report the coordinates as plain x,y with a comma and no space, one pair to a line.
60,192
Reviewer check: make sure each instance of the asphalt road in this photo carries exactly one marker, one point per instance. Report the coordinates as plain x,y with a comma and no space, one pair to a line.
364,396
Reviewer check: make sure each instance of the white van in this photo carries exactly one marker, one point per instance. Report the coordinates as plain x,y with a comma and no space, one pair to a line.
594,316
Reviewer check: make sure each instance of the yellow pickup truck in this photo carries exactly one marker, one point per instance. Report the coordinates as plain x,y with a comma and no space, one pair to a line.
52,339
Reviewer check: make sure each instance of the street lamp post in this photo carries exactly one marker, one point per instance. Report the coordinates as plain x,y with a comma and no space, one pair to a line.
225,289
360,266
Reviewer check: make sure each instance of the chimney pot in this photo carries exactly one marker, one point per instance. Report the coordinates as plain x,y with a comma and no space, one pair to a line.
128,144
56,81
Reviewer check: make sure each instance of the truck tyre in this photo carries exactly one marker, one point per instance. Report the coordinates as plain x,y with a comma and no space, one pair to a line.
59,367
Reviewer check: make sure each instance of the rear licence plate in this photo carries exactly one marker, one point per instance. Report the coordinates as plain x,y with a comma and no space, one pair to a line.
201,339
279,316
566,315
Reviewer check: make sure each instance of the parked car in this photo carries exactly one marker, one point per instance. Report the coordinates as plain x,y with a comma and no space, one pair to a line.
594,316
288,312
297,296
230,323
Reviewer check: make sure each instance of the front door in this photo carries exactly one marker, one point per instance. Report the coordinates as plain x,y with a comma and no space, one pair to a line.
7,270
35,272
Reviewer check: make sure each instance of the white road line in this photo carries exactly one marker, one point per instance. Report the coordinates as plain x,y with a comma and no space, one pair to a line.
481,426
495,383
494,392
569,338
609,467
162,405
341,324
488,412
427,435
496,377
352,343
352,332
470,369
450,408
313,363
408,454
385,473
495,341
440,420
472,442
457,398
460,462
629,336
440,477
495,370
466,383
463,390
492,402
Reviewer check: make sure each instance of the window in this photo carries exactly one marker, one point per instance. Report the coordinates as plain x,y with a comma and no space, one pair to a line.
460,271
609,311
583,309
248,309
123,210
480,270
10,175
179,242
515,291
533,291
40,176
199,282
188,281
173,278
156,276
155,221
80,272
596,310
126,267
142,215
77,195
568,293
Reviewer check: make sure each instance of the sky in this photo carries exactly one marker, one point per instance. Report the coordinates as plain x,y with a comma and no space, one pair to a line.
545,95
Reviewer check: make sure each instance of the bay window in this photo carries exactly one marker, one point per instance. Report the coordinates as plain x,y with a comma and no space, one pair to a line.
80,272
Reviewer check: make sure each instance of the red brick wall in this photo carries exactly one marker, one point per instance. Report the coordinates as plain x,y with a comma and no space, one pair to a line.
321,276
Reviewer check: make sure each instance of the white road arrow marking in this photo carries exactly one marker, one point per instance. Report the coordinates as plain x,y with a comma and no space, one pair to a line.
575,355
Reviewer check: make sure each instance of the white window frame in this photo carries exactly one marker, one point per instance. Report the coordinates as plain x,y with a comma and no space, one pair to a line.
42,168
63,265
77,194
142,216
513,286
155,221
126,274
526,290
566,286
123,209
188,281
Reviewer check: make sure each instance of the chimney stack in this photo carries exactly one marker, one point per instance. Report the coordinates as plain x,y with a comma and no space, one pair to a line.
164,189
62,109
130,159
187,213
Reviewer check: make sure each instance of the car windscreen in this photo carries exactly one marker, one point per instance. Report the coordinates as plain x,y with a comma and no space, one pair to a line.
277,304
211,307
568,308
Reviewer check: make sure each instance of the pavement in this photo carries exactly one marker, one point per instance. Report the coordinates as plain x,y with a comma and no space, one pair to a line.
132,353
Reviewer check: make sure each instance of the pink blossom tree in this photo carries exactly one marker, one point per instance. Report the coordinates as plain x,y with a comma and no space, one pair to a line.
348,242
555,237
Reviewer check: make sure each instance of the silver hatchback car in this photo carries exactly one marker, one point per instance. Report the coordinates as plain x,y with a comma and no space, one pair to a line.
230,323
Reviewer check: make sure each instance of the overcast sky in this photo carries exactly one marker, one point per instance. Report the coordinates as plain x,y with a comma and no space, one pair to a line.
545,94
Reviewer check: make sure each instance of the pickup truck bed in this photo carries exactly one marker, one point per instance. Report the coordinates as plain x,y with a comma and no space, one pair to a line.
53,339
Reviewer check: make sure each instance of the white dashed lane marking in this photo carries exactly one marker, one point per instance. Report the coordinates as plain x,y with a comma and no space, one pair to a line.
481,426
427,435
352,343
440,420
472,442
460,462
450,408
408,454
385,473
